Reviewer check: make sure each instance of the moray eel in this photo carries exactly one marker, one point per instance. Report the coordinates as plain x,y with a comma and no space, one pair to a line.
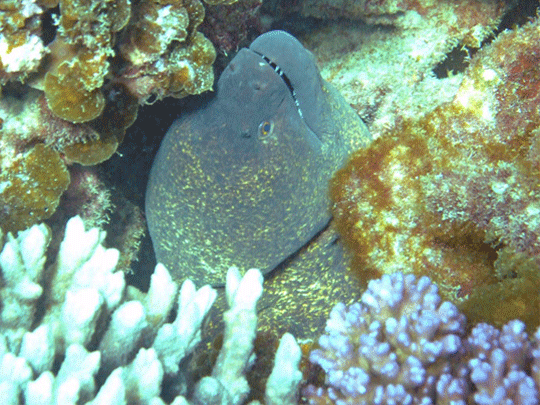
243,181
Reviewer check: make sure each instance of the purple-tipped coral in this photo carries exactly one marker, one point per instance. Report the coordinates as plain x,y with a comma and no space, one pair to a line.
498,361
401,345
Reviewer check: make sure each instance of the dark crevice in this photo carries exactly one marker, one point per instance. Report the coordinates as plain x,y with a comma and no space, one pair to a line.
457,60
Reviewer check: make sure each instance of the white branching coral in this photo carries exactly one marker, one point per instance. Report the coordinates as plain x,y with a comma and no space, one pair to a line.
285,377
227,385
22,261
175,340
115,342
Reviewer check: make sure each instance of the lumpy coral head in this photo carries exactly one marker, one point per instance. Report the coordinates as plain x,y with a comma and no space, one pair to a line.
244,180
454,194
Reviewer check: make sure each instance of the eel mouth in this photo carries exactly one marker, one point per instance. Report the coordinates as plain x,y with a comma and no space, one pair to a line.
289,85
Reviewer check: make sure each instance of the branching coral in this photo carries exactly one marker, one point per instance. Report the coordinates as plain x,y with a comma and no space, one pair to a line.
401,344
454,194
113,343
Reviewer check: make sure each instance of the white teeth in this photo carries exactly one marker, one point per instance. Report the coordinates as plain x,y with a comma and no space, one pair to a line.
280,72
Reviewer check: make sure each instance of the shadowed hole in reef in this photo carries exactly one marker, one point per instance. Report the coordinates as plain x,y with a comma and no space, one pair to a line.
458,58
456,61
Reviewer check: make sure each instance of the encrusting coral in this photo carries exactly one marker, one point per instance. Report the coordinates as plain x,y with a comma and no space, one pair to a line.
454,194
400,344
115,343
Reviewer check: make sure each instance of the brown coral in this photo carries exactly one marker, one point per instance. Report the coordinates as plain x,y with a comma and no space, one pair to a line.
190,68
104,59
92,22
72,91
454,194
168,56
119,113
30,187
160,54
156,25
79,61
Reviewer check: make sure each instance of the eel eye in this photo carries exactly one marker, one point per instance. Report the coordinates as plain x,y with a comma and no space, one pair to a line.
265,129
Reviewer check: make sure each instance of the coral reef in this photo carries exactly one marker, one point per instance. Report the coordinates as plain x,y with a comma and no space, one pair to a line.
450,189
161,51
454,194
475,16
21,48
115,344
96,61
385,63
230,28
104,59
30,186
402,345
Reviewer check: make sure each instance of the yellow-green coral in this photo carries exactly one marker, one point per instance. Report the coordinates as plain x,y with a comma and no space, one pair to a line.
514,297
30,187
92,22
80,55
190,68
156,25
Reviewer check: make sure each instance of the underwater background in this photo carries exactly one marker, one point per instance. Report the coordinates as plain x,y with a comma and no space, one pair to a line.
446,187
